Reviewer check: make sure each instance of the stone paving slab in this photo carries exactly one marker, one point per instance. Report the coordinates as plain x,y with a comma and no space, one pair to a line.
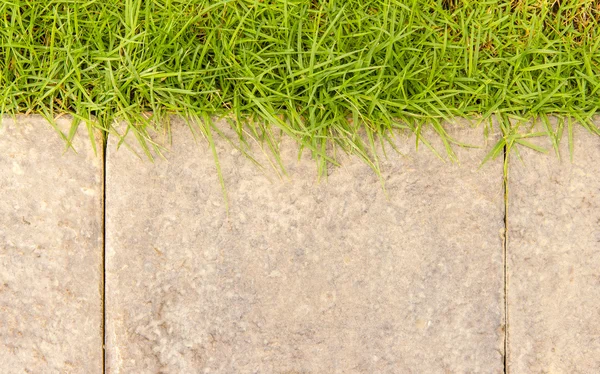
553,258
50,250
303,276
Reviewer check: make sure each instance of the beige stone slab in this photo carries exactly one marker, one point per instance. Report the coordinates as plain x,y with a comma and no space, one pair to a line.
50,250
554,259
302,276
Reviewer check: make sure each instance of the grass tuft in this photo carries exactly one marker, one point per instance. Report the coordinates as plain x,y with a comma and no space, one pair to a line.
340,74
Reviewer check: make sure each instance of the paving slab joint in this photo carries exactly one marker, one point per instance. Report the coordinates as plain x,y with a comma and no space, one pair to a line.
104,145
505,257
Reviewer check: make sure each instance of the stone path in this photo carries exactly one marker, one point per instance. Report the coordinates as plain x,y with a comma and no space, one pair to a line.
50,250
554,260
300,276
303,276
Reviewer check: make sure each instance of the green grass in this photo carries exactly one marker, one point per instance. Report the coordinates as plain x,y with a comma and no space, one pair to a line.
327,73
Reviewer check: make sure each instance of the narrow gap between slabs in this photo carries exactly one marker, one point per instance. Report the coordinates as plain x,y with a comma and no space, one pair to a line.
505,257
104,253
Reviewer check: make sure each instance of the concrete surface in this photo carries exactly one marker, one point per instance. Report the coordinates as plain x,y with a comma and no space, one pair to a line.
302,276
554,259
50,250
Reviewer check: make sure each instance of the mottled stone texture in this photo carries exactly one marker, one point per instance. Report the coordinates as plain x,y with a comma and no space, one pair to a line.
304,276
554,259
50,250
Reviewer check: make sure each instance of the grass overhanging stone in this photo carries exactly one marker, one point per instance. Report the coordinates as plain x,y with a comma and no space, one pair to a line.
342,74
